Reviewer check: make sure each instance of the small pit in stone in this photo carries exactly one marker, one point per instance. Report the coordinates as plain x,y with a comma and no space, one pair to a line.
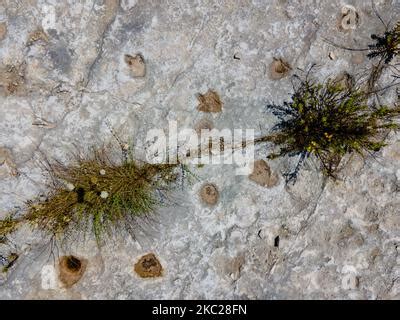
236,56
209,102
148,266
262,174
349,19
73,264
276,242
209,194
71,270
279,69
136,65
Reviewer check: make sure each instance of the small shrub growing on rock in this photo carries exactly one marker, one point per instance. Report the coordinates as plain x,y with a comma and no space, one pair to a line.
98,193
326,121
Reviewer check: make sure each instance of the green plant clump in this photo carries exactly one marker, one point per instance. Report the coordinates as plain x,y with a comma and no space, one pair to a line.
327,121
7,226
99,193
387,46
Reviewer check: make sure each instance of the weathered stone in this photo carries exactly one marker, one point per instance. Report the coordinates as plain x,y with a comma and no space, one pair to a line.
79,80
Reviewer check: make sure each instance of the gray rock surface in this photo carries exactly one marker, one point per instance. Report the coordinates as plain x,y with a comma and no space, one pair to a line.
64,77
